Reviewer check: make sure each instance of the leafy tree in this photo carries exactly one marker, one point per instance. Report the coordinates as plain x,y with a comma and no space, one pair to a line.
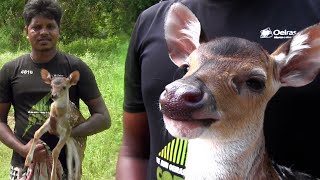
100,18
11,22
81,19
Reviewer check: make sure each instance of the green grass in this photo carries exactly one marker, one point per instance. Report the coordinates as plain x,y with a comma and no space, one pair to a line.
102,148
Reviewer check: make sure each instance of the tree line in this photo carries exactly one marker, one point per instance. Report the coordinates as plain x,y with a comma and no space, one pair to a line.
81,19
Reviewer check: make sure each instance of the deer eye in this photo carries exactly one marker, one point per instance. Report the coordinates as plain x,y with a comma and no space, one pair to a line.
64,87
255,84
181,71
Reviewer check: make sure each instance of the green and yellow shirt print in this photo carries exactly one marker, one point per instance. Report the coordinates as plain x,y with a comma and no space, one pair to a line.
171,160
39,113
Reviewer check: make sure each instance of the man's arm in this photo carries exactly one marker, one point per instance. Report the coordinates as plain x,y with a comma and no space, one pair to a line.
9,139
134,153
98,121
6,136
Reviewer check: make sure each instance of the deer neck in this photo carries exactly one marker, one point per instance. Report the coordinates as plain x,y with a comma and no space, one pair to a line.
208,159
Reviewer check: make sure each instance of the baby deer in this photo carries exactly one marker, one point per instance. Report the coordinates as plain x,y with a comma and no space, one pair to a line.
66,116
219,104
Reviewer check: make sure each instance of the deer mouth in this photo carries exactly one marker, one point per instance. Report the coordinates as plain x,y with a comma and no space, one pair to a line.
204,116
203,122
187,128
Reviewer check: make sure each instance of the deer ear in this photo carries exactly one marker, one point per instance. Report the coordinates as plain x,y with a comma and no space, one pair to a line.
46,76
74,78
298,60
182,33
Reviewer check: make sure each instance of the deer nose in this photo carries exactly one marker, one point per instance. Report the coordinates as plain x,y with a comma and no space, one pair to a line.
54,96
179,100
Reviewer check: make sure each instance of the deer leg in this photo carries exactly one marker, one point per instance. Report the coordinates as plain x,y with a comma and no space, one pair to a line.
77,161
73,157
44,128
70,158
55,153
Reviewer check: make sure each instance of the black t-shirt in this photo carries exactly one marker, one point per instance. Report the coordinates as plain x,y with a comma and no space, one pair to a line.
292,115
22,86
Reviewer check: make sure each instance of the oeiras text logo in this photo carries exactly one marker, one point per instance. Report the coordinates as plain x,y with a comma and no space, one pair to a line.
276,34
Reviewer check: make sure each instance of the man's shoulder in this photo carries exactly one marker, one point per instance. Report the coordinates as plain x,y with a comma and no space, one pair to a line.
68,56
159,5
21,58
17,61
73,62
71,59
156,9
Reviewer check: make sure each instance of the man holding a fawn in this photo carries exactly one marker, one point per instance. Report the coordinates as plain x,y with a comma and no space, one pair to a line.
21,86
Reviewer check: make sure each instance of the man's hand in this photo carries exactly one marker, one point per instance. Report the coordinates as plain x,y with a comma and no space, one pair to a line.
53,126
40,152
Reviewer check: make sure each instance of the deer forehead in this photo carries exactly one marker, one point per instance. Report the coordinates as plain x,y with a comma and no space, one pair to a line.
220,59
221,69
59,81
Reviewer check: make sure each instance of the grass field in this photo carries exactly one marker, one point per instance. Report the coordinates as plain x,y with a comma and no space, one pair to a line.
102,149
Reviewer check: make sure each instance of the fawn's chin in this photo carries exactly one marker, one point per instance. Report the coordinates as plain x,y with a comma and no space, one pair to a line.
188,129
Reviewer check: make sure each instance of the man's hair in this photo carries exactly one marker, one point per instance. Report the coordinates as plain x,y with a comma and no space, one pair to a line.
46,8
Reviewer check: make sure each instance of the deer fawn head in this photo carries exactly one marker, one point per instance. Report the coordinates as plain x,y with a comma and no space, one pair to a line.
228,81
60,85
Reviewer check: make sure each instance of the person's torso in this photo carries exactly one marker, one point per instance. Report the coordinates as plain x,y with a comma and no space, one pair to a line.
31,97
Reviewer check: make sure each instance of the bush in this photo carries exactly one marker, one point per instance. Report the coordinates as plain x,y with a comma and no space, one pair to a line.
82,19
12,39
98,46
11,23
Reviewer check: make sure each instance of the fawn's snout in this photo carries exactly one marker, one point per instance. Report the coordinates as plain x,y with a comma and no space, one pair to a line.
57,95
59,87
54,96
188,104
179,100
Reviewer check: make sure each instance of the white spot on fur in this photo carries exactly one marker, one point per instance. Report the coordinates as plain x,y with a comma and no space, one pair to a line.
280,57
298,44
192,32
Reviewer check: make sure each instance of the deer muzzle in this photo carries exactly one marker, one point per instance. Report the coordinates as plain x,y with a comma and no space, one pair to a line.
185,101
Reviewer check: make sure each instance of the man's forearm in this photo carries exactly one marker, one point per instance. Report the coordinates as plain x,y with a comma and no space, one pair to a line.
131,168
9,139
95,124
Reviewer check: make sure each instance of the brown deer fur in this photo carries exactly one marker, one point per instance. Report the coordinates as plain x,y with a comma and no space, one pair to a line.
66,116
219,104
